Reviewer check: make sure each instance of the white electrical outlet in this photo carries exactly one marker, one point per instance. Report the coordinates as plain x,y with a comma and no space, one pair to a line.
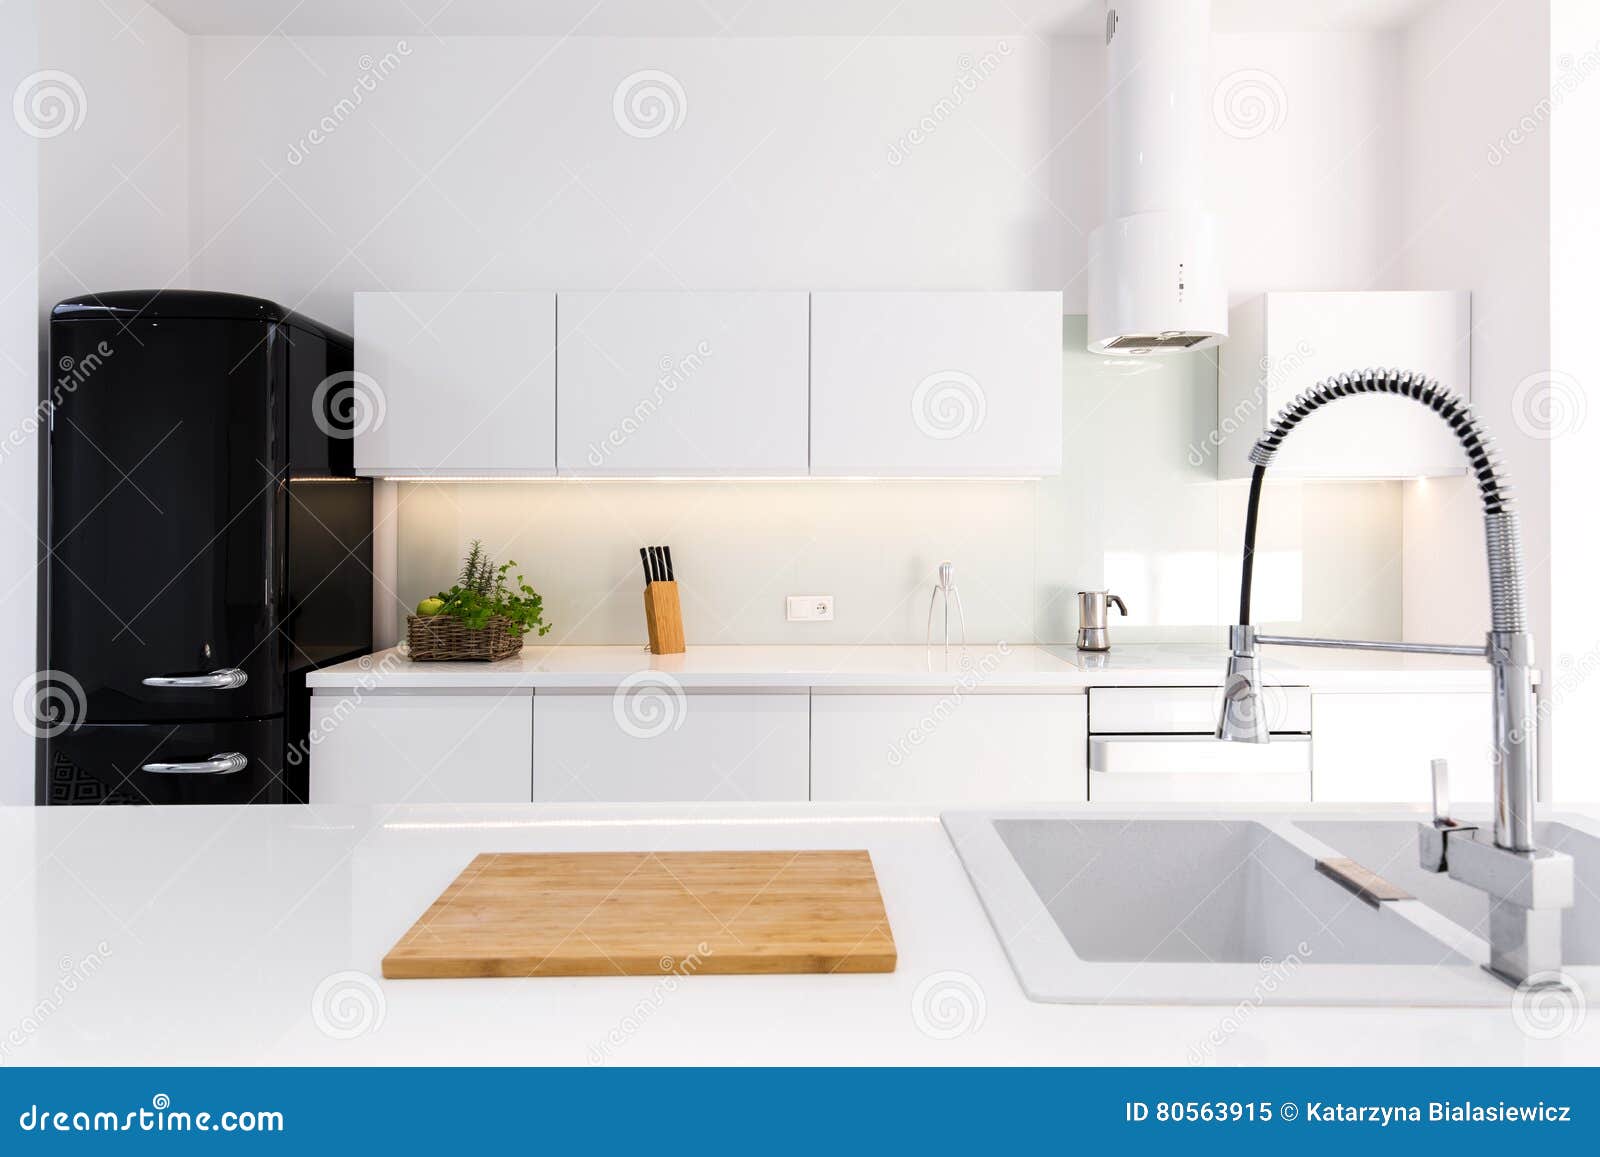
810,609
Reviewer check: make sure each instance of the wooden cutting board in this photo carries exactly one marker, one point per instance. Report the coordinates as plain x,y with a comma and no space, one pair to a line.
651,914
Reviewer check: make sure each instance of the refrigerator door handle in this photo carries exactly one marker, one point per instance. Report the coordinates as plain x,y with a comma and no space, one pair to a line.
223,679
223,763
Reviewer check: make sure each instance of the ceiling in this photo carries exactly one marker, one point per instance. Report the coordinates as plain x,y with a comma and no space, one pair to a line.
737,17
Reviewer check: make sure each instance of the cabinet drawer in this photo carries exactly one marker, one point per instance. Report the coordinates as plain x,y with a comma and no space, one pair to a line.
1187,710
1198,769
944,748
1221,787
1145,754
650,741
389,748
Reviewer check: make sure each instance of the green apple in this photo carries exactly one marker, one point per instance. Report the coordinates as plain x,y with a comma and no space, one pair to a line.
427,608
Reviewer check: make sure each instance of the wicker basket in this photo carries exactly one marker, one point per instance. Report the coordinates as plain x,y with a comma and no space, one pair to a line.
444,638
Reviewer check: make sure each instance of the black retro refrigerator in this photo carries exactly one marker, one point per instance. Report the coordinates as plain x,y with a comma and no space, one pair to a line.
208,546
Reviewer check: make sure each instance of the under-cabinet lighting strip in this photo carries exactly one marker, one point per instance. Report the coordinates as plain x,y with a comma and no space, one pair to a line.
652,822
707,478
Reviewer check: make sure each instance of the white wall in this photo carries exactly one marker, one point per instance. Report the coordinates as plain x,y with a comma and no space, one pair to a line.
95,197
19,391
1306,151
1573,695
499,163
1474,214
114,193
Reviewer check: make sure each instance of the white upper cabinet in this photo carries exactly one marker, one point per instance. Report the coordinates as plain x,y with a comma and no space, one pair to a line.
1283,343
681,383
465,383
936,384
708,384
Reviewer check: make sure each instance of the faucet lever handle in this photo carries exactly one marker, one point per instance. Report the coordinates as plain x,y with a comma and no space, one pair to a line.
1441,794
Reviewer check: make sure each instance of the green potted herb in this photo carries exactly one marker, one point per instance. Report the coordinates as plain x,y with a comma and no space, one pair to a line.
485,615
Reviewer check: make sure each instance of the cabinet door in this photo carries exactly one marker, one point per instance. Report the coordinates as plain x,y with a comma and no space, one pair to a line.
930,748
937,384
1379,748
1285,343
650,741
458,383
434,748
682,383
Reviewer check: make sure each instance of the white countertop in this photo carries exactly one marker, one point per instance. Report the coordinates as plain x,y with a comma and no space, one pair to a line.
232,935
988,666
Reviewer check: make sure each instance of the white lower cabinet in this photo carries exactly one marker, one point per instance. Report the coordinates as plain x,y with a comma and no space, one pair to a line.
1198,769
429,748
1378,748
652,741
1155,745
933,748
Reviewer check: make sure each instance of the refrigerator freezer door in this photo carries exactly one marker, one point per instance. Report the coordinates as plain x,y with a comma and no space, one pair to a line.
152,763
166,518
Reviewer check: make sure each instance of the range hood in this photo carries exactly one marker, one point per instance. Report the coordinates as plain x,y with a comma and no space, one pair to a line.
1155,285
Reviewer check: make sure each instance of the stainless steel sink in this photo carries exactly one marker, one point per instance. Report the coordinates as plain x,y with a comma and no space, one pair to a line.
1177,909
1389,847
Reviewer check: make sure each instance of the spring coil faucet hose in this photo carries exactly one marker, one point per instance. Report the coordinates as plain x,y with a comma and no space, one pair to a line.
1503,531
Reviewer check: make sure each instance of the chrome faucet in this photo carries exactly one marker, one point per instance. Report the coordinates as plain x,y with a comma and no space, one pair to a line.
1527,887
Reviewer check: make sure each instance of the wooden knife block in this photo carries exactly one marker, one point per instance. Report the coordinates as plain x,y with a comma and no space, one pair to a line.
663,618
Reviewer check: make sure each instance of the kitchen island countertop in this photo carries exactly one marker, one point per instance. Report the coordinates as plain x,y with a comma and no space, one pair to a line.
254,936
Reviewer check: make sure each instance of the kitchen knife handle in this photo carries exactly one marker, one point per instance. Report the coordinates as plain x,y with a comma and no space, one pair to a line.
666,552
645,558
